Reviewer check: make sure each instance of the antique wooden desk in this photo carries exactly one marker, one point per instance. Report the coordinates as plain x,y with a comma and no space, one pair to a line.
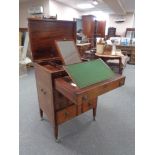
58,99
130,51
111,57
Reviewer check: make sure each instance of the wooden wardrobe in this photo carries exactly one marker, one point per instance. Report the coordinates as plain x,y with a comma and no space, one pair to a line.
93,28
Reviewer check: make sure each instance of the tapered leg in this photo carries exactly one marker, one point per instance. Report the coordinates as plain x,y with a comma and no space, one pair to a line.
56,132
94,109
94,113
120,62
41,114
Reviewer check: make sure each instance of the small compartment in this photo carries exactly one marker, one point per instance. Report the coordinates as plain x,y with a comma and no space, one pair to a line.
52,64
66,114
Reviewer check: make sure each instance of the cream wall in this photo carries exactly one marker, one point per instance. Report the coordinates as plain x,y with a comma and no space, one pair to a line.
121,27
50,8
23,10
63,11
110,21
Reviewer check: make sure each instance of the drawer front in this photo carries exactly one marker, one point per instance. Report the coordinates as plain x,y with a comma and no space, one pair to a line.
78,96
93,93
88,105
66,114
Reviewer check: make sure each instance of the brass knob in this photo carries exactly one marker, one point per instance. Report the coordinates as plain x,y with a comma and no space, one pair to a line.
41,90
44,92
85,97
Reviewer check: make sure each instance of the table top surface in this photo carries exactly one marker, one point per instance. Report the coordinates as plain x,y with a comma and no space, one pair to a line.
129,46
83,44
108,56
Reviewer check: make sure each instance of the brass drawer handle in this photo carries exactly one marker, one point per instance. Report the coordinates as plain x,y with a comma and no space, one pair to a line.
44,92
85,98
41,90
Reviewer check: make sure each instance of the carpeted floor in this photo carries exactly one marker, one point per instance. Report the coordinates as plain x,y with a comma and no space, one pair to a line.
111,134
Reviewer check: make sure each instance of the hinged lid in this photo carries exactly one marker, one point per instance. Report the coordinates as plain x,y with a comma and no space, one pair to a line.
43,33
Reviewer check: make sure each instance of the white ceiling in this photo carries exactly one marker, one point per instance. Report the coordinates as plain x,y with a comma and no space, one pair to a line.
109,6
24,0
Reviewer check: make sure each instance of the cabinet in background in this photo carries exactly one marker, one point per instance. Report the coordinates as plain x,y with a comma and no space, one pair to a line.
93,28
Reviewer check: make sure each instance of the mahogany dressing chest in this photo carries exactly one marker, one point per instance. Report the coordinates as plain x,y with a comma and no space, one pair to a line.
58,99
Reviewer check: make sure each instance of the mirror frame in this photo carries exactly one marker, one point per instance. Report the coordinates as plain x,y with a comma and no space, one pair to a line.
130,30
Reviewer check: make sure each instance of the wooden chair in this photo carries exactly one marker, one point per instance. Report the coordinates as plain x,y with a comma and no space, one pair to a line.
114,64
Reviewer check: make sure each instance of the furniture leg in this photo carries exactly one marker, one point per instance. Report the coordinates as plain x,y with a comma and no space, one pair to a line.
94,109
41,114
56,131
120,66
94,113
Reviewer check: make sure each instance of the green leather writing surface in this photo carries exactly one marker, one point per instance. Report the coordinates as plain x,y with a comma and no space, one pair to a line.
88,73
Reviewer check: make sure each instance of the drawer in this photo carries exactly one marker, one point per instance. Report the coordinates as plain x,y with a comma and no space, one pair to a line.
66,114
78,96
87,106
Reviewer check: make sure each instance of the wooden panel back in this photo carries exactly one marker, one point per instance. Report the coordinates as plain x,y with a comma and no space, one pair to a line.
43,33
88,25
100,31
